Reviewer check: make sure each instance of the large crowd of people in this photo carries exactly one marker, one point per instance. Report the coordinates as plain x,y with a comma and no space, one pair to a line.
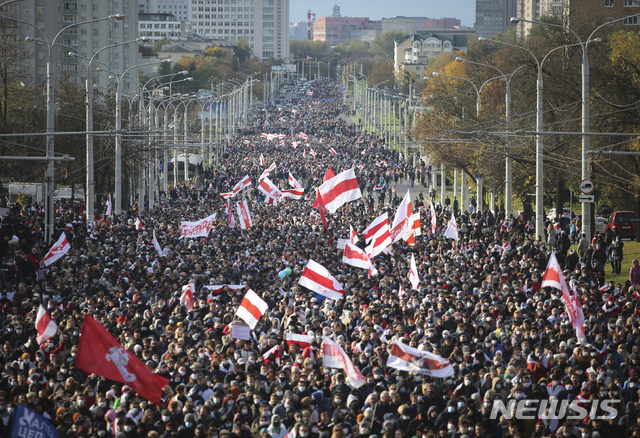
479,304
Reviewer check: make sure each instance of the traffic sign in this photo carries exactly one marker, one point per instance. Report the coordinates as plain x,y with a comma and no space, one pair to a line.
587,187
587,198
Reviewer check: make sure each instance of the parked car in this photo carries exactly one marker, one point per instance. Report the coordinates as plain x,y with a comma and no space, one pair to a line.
624,223
600,225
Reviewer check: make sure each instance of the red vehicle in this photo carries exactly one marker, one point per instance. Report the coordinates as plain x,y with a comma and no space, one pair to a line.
624,223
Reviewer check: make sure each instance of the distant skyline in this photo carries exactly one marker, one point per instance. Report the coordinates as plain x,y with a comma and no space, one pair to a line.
464,10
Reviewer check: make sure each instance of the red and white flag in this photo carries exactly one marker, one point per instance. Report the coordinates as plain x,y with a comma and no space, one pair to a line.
156,245
333,356
321,208
269,189
252,308
267,171
303,341
232,221
452,230
59,249
506,246
244,215
99,353
556,226
261,160
293,193
374,226
275,350
553,278
294,182
401,292
138,223
434,219
47,328
242,184
415,228
401,228
339,190
187,296
414,279
302,135
380,241
312,152
328,175
333,151
353,236
109,206
217,288
317,278
405,358
354,256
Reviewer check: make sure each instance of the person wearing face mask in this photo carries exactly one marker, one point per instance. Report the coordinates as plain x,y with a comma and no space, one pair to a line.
450,413
188,428
431,397
276,429
130,429
161,425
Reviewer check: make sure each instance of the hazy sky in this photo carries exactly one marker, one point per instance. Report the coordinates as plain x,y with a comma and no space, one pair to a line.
377,9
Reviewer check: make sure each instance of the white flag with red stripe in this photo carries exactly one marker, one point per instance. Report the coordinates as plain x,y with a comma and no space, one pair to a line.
244,215
261,160
302,135
312,152
401,228
354,256
452,230
333,356
405,358
269,189
333,151
267,171
339,190
187,296
434,219
217,288
416,226
353,236
303,341
59,249
293,193
156,245
138,223
294,182
380,241
553,278
414,279
252,308
46,327
231,219
317,278
374,226
401,292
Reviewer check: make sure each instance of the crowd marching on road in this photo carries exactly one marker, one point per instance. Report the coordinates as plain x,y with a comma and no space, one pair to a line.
292,292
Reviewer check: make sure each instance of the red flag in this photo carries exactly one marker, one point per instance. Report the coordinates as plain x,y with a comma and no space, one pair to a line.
328,175
99,353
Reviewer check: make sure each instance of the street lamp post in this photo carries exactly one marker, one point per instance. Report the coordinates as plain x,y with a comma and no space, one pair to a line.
49,210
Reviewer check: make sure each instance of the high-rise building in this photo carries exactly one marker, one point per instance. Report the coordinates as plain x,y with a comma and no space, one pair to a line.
263,23
338,29
402,24
179,8
438,23
85,39
298,31
493,16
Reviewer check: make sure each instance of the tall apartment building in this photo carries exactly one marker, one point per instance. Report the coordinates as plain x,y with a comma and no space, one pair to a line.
609,10
298,31
402,24
179,8
158,25
263,23
51,16
338,29
493,16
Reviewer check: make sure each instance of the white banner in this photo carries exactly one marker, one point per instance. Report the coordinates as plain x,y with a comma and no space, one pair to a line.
200,228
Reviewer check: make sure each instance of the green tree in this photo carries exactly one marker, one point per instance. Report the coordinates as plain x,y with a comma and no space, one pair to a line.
242,50
382,47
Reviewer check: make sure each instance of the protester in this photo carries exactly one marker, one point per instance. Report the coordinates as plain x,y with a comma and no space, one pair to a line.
479,304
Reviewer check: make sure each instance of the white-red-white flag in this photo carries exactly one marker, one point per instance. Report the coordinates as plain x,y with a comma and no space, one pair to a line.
267,171
303,341
138,223
294,182
401,292
293,193
354,256
232,221
434,219
317,278
414,279
261,160
269,189
333,151
333,356
452,230
312,152
353,236
217,288
59,249
187,296
405,358
252,308
401,228
46,327
302,135
374,226
380,241
156,244
553,278
244,215
109,206
339,190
